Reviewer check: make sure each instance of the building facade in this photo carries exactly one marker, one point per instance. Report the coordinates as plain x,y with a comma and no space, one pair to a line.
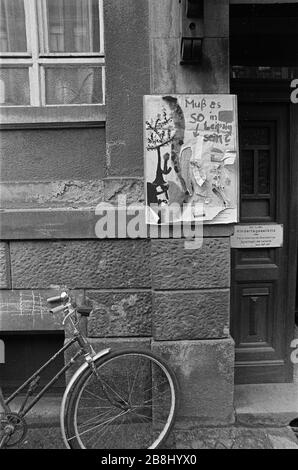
72,137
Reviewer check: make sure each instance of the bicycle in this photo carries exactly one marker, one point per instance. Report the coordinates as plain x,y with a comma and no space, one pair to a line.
115,400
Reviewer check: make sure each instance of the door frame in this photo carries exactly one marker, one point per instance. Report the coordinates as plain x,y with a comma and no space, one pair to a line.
274,92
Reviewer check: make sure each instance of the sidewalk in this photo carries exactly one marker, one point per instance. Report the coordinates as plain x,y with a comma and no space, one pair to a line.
263,414
232,437
237,437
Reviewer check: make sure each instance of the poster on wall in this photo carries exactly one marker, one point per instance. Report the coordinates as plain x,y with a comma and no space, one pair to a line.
191,158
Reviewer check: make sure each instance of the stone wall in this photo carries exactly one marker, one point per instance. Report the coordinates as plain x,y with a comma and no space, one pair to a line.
152,293
155,293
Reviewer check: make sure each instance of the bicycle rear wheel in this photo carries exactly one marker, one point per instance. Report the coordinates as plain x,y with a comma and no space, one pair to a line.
129,403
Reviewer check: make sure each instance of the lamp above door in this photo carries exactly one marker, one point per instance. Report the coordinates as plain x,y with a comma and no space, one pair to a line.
192,28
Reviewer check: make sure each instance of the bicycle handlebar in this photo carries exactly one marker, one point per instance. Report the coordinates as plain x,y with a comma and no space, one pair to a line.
51,300
58,309
84,310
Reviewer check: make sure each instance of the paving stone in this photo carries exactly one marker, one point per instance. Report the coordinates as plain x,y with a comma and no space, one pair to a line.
48,437
43,438
283,440
236,438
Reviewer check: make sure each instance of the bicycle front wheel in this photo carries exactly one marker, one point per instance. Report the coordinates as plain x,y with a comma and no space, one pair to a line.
128,403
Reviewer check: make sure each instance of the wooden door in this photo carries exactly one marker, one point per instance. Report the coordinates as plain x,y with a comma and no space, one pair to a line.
259,276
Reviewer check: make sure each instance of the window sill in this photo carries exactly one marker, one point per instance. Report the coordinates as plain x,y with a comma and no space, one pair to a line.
68,223
14,117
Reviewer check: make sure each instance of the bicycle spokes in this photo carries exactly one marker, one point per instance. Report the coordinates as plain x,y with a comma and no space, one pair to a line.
128,404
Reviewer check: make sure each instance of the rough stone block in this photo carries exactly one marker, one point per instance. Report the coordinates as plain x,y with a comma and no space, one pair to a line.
81,264
191,315
205,372
4,266
119,314
174,267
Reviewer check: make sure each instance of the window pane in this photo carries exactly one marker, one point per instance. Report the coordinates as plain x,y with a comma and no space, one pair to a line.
247,171
73,26
14,86
264,172
255,209
73,85
255,136
12,26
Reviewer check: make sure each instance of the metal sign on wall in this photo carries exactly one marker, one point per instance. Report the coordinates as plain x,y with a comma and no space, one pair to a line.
257,236
191,158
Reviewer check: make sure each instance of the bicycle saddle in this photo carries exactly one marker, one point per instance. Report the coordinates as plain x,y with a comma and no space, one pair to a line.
84,310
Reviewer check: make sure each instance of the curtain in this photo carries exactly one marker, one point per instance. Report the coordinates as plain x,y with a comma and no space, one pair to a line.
14,81
73,85
12,26
73,25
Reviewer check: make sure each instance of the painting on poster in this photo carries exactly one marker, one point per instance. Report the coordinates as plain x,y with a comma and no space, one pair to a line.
191,158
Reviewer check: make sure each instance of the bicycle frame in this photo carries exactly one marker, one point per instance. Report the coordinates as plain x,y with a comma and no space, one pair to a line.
29,387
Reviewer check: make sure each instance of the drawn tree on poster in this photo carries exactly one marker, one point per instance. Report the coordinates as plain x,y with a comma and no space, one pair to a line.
161,132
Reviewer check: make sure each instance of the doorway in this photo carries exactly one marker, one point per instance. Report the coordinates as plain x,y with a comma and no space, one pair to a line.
260,275
263,63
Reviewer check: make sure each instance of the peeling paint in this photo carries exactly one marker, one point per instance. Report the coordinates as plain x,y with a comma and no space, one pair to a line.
50,194
131,189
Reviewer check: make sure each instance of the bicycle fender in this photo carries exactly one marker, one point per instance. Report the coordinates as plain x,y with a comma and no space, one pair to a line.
71,383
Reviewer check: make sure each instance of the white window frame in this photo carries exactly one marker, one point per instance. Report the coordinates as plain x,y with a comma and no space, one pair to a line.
36,59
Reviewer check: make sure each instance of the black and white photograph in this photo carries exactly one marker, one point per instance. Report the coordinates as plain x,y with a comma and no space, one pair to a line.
148,229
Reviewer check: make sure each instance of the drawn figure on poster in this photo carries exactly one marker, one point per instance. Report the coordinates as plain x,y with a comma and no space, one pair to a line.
206,173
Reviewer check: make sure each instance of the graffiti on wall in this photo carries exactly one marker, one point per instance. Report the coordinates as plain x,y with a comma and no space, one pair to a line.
191,158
